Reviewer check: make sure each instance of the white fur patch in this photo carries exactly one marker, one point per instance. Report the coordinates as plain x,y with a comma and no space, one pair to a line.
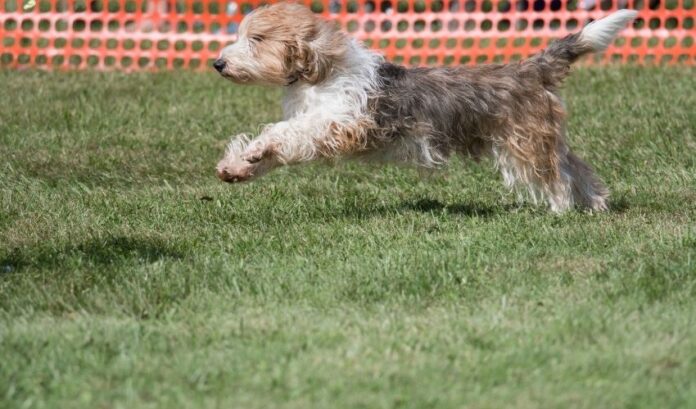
600,33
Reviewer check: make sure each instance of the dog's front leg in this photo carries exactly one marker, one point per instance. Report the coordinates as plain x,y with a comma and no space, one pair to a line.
278,144
284,143
288,142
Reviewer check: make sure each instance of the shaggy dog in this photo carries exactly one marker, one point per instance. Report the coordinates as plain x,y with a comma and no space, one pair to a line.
342,100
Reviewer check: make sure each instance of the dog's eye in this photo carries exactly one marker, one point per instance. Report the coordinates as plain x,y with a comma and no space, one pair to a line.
256,38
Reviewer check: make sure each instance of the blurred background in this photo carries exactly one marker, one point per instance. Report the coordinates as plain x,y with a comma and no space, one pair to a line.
160,34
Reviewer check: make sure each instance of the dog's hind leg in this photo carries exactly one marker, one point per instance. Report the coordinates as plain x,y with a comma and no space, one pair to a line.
540,180
588,190
550,172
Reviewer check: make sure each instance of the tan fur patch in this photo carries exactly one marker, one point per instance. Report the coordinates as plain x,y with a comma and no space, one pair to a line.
289,42
345,139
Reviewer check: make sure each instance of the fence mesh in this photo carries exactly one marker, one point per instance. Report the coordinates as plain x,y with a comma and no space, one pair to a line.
167,34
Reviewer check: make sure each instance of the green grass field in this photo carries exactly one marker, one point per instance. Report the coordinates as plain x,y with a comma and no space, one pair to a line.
131,278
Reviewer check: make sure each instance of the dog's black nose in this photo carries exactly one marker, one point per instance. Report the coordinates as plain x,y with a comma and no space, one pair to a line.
219,65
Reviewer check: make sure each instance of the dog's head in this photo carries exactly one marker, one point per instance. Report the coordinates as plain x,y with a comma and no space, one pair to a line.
282,44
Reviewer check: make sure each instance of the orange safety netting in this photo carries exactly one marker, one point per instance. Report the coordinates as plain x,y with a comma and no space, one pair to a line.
159,34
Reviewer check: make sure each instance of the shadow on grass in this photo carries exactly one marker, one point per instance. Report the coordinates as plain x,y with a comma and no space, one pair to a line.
96,252
619,205
463,209
366,211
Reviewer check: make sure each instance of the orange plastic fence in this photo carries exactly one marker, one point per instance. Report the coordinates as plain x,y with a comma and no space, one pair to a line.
166,34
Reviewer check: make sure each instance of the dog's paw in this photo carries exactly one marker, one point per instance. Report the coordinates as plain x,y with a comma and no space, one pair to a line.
236,171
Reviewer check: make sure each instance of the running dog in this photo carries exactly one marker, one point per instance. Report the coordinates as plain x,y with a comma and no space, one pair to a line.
343,100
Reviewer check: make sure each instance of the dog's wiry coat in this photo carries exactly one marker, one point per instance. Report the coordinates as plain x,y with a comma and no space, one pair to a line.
343,100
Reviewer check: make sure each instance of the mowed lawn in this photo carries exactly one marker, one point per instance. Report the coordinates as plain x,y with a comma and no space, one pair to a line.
130,277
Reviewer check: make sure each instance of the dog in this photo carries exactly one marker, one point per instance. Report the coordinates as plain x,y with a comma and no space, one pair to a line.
343,100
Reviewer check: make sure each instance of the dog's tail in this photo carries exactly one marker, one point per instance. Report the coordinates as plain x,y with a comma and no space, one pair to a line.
595,37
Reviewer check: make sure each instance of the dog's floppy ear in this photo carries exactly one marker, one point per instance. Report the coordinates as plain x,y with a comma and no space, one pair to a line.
317,56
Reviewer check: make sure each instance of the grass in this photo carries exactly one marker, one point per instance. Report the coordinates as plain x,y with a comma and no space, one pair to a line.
130,277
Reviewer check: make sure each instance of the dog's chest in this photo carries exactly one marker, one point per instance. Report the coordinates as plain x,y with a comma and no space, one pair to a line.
313,101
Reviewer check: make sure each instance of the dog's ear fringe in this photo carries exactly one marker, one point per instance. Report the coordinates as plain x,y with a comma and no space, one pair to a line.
315,59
